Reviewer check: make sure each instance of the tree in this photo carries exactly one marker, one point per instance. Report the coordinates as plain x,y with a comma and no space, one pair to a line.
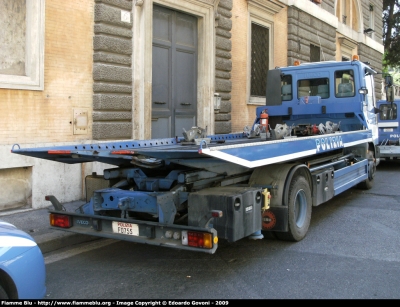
391,33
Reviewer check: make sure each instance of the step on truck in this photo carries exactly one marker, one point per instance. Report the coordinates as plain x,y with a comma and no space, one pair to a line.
388,124
314,138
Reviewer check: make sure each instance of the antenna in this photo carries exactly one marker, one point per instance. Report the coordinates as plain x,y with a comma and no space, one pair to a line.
323,55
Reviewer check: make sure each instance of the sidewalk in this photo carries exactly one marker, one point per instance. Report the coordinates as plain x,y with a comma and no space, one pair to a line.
36,223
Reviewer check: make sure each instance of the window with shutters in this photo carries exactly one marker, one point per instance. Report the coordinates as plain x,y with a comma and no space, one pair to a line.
371,20
259,59
260,55
347,13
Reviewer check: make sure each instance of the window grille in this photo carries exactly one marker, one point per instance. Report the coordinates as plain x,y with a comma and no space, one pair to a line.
259,59
315,53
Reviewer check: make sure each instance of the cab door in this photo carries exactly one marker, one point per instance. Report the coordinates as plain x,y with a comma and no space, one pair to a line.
369,109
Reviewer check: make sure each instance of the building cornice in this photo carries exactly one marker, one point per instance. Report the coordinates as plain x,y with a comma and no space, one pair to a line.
267,6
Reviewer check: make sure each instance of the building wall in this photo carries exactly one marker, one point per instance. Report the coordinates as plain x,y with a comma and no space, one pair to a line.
305,29
239,69
112,70
39,116
297,26
377,13
97,77
329,6
223,65
35,118
206,13
243,112
373,57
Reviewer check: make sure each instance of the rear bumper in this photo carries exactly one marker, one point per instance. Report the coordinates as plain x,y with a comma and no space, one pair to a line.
389,151
148,232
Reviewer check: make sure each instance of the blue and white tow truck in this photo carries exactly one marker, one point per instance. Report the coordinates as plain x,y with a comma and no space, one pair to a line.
315,137
389,130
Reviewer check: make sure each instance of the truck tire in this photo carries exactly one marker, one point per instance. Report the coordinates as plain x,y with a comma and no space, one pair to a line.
369,183
299,210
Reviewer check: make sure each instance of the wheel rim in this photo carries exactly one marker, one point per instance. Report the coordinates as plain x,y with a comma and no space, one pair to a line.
300,206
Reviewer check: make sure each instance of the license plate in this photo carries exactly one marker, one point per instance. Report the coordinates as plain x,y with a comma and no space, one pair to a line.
125,228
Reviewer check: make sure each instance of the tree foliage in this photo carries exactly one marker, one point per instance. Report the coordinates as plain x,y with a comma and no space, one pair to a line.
391,32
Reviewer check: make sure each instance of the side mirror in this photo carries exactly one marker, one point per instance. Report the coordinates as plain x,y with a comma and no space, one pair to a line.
390,93
363,91
389,88
389,80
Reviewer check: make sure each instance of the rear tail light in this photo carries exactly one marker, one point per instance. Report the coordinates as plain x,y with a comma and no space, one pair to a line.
122,152
59,220
198,239
59,152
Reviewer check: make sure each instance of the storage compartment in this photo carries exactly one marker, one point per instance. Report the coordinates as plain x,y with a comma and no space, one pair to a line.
323,186
241,208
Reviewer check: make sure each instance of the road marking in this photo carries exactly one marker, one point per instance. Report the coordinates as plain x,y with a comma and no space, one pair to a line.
81,248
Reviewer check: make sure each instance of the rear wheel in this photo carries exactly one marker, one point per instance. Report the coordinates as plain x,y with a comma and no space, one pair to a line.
299,207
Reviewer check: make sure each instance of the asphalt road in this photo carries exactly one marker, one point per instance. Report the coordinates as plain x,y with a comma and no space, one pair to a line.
352,251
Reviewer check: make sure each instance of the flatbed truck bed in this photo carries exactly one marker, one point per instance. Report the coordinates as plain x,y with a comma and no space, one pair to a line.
315,137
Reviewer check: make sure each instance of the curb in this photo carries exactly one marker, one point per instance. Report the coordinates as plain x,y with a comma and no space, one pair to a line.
61,241
35,222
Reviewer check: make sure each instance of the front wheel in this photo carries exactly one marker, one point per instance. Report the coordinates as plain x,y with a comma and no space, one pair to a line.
299,210
369,182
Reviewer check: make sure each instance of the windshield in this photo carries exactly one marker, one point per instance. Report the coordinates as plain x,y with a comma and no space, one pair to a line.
388,111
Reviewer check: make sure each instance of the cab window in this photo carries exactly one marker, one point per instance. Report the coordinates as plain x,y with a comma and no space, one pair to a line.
313,87
344,83
286,88
387,111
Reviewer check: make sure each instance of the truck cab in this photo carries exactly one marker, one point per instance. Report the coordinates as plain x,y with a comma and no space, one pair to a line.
389,130
388,122
324,96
